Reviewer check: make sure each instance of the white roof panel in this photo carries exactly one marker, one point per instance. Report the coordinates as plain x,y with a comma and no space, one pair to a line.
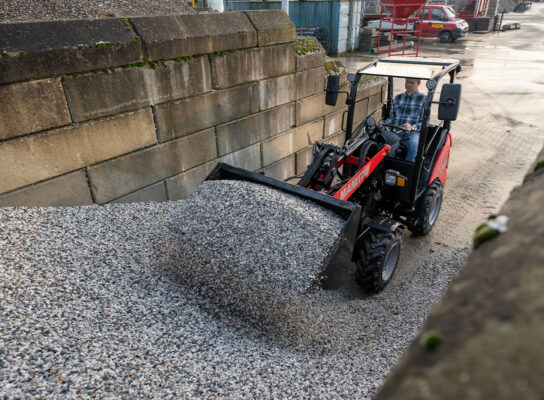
409,67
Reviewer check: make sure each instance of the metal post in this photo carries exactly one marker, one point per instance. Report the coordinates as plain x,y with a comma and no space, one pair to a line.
285,6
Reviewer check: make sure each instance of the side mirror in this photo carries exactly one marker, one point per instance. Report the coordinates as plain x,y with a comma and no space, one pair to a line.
450,100
333,84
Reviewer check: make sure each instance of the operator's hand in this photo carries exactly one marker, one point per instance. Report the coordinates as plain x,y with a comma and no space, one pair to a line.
408,127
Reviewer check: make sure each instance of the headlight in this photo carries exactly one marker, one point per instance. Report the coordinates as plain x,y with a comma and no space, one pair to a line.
393,178
390,179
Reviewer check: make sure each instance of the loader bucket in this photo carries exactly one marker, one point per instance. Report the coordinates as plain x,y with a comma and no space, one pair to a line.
338,261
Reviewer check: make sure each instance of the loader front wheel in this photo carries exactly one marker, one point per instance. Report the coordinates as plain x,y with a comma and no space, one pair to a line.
379,254
427,210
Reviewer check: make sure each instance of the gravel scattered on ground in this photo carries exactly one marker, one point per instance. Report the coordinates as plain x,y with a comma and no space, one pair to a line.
90,306
52,10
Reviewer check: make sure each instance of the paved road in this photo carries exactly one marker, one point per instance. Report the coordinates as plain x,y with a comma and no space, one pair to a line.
497,136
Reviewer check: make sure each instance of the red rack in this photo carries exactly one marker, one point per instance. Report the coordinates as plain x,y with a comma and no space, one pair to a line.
396,26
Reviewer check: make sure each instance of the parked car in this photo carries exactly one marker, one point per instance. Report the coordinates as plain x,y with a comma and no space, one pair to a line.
432,20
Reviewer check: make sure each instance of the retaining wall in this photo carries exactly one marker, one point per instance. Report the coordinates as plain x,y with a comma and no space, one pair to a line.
141,109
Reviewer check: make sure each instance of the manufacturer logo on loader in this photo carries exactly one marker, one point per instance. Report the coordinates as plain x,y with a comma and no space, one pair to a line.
354,183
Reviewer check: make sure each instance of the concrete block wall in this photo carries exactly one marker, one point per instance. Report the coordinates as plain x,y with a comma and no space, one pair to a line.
142,109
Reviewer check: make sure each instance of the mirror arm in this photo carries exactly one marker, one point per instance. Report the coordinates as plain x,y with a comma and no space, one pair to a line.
449,103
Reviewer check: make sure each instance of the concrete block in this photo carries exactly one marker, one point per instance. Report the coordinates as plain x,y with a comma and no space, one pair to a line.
290,142
32,159
192,115
371,88
115,178
302,159
361,111
333,123
156,192
44,49
310,82
181,186
282,169
252,65
273,27
248,158
105,93
374,102
276,91
32,106
278,147
174,80
313,107
255,128
311,60
337,139
67,190
188,35
307,134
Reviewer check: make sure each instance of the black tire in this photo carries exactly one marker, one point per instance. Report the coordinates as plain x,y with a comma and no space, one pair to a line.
378,256
427,210
445,37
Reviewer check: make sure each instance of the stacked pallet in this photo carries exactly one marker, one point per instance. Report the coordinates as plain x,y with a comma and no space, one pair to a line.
368,39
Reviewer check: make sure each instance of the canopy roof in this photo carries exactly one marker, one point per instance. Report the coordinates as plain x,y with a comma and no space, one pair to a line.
410,67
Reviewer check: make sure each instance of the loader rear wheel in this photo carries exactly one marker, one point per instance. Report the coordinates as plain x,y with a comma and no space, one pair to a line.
379,255
427,210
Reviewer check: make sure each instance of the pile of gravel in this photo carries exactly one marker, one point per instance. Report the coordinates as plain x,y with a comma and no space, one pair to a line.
251,250
52,10
88,309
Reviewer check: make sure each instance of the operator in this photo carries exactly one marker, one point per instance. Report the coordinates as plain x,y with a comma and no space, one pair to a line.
407,111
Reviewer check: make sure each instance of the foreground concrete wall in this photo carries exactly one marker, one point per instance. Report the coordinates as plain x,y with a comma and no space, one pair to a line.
484,339
142,109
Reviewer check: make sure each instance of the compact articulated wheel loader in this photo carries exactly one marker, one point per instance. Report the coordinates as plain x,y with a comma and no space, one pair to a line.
367,181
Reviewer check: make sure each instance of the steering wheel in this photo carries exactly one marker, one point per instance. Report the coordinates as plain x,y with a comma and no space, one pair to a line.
394,127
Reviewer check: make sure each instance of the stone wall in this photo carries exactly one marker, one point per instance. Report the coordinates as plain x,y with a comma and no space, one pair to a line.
140,109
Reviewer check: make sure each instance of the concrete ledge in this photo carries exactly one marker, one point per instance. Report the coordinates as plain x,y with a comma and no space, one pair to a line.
35,158
191,115
67,190
44,49
188,35
115,178
311,60
156,192
255,128
32,106
273,27
252,65
490,322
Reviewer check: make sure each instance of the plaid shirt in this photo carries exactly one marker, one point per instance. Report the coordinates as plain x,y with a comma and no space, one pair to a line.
407,109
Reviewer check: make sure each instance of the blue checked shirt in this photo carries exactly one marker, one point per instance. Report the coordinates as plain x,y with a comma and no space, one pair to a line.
407,109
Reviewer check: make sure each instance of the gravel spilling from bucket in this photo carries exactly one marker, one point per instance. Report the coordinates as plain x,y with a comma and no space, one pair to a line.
250,249
87,309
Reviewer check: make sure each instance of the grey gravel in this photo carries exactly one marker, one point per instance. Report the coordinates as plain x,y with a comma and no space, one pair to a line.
51,10
94,304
